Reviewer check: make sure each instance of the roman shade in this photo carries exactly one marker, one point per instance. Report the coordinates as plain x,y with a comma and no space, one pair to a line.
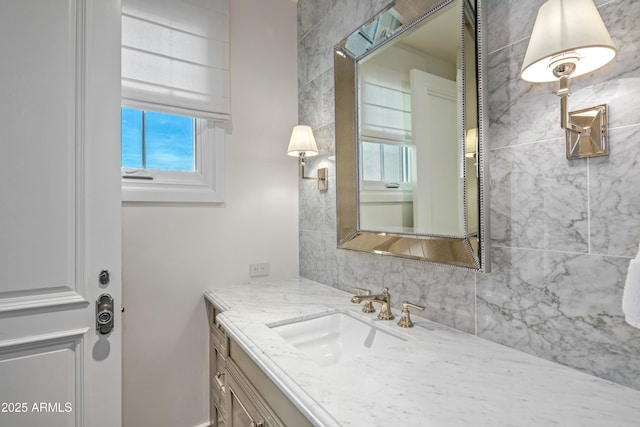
175,56
385,106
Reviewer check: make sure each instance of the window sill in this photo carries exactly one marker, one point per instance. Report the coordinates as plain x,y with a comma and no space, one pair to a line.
160,190
388,195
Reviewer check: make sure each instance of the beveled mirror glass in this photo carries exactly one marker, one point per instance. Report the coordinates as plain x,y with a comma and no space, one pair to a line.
410,156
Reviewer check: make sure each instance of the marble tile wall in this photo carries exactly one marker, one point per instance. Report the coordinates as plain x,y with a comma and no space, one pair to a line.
562,232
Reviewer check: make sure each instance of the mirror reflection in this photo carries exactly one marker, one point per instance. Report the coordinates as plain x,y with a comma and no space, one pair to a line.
410,168
416,142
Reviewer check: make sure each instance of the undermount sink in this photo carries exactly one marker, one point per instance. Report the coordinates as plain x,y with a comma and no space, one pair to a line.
336,337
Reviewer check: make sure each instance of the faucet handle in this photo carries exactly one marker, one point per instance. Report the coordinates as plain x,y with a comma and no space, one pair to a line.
405,316
367,307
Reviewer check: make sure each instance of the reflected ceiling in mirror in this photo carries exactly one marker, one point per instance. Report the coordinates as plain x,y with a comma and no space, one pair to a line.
409,145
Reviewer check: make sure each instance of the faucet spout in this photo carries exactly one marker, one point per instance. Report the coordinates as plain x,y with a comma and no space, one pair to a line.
357,299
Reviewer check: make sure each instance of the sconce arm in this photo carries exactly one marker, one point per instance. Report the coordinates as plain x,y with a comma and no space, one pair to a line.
322,174
565,123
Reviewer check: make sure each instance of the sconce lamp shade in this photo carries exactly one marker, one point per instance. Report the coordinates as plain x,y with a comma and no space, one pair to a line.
567,31
302,142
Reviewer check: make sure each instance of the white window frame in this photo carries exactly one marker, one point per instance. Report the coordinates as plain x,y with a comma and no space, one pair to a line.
206,184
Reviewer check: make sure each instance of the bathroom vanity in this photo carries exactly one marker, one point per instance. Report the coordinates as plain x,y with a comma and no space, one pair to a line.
295,352
241,394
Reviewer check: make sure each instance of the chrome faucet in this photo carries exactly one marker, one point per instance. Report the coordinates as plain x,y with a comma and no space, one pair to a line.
384,299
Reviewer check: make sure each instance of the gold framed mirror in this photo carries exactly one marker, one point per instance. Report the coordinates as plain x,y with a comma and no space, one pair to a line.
411,169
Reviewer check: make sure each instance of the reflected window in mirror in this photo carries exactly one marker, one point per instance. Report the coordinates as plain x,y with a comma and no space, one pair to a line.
385,164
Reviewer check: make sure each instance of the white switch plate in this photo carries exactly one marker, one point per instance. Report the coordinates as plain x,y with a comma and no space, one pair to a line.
258,270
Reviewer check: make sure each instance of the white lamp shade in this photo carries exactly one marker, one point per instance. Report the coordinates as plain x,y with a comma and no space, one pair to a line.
567,28
302,142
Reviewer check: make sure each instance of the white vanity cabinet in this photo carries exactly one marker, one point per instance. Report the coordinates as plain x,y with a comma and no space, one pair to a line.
241,394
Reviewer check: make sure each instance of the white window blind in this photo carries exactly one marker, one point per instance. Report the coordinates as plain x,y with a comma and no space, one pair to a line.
385,105
175,56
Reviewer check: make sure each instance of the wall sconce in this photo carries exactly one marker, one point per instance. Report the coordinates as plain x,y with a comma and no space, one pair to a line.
471,148
471,143
568,40
302,144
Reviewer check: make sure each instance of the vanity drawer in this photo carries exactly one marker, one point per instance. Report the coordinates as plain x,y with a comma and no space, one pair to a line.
218,419
218,388
212,314
218,397
217,381
244,405
247,381
217,364
219,338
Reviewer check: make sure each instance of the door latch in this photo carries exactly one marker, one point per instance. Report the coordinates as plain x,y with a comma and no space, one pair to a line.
104,314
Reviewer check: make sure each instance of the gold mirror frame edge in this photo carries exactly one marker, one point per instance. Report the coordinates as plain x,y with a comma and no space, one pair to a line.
449,251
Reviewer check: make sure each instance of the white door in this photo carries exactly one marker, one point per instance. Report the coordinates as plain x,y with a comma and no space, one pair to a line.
437,195
59,211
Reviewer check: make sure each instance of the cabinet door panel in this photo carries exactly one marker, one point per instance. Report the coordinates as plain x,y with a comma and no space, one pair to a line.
241,411
217,420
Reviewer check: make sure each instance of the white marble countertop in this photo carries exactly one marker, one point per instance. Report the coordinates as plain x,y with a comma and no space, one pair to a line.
437,377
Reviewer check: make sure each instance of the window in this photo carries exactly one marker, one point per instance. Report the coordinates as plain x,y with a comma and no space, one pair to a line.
171,158
157,141
372,33
175,99
387,148
385,164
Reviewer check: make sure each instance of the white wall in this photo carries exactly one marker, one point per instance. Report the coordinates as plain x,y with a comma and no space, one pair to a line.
171,253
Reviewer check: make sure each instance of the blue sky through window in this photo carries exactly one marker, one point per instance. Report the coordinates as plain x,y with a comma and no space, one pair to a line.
131,138
169,141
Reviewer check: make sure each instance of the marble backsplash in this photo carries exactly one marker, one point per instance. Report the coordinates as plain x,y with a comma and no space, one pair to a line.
562,232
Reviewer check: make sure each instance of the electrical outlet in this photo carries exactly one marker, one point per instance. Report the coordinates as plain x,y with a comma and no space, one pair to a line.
258,270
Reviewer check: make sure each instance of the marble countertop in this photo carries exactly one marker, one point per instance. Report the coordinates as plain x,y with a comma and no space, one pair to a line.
437,377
